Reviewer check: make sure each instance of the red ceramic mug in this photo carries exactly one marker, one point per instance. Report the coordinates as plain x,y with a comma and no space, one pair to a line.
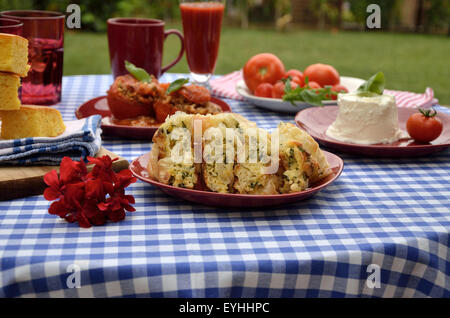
141,42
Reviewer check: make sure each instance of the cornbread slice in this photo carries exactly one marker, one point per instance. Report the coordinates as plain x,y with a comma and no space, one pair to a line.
31,121
14,54
9,91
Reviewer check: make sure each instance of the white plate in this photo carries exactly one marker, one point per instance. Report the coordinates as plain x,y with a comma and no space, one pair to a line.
278,105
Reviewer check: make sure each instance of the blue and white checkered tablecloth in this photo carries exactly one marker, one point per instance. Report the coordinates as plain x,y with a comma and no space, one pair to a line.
382,229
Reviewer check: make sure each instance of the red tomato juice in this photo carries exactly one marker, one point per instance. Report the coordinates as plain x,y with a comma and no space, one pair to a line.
202,23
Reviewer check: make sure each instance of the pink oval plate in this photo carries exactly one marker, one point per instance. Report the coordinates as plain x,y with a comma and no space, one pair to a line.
316,120
99,106
139,169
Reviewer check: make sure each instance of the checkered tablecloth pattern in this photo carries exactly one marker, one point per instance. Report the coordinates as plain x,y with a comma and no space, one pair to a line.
383,220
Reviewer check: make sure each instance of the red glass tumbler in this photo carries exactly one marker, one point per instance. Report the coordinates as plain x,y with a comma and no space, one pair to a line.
45,33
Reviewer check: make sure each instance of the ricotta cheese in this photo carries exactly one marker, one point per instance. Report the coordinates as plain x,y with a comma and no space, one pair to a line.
366,120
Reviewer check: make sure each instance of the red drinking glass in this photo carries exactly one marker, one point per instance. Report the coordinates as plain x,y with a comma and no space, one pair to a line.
11,26
202,25
45,33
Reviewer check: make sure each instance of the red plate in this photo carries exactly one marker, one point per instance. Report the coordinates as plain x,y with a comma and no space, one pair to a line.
315,121
139,168
99,106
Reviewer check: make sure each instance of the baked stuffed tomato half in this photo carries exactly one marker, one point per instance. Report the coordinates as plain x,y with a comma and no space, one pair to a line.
130,98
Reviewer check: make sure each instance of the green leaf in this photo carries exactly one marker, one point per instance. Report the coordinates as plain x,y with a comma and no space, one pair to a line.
374,85
287,86
138,73
311,97
176,85
306,80
303,94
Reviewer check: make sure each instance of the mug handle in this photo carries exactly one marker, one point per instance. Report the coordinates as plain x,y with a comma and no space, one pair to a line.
180,55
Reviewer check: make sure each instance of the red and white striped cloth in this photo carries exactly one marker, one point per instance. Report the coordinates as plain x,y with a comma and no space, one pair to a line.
225,87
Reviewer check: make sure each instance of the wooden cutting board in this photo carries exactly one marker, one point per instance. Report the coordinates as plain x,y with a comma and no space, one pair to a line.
18,182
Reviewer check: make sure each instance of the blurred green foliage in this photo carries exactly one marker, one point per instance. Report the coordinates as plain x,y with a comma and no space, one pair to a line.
390,10
96,12
438,14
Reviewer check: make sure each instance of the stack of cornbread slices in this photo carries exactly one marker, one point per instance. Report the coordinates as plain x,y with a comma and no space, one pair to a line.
20,121
13,66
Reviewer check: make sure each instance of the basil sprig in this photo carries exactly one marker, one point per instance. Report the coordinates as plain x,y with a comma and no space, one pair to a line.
306,94
138,73
373,86
141,75
176,85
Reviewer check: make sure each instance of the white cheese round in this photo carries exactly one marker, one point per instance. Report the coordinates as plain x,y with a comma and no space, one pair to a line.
366,120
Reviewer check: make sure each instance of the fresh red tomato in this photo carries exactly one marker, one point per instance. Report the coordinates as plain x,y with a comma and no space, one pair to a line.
278,89
262,68
322,74
424,126
296,76
264,90
295,79
338,89
314,85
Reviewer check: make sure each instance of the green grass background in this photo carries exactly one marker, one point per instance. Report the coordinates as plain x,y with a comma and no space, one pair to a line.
410,61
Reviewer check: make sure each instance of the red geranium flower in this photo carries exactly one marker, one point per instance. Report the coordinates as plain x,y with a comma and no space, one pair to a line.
103,168
71,171
89,198
124,179
53,192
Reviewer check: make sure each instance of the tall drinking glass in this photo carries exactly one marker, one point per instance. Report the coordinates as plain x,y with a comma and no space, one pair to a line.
202,25
45,33
11,26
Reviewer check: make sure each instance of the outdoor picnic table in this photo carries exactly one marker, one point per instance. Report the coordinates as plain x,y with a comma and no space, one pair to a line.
381,229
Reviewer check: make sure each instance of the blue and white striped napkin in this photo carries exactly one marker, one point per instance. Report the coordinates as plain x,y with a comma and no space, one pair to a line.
82,138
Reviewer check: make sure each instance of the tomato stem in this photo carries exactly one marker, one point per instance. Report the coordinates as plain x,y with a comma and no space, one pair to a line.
263,71
430,113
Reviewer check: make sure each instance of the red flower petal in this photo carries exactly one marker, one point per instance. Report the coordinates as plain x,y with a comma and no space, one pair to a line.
74,195
125,203
108,187
58,208
128,207
130,199
103,206
116,215
124,179
51,179
83,221
115,204
94,189
90,208
98,219
71,218
50,194
102,168
72,171
104,162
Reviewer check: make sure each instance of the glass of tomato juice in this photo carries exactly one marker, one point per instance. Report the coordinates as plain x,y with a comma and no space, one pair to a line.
202,24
